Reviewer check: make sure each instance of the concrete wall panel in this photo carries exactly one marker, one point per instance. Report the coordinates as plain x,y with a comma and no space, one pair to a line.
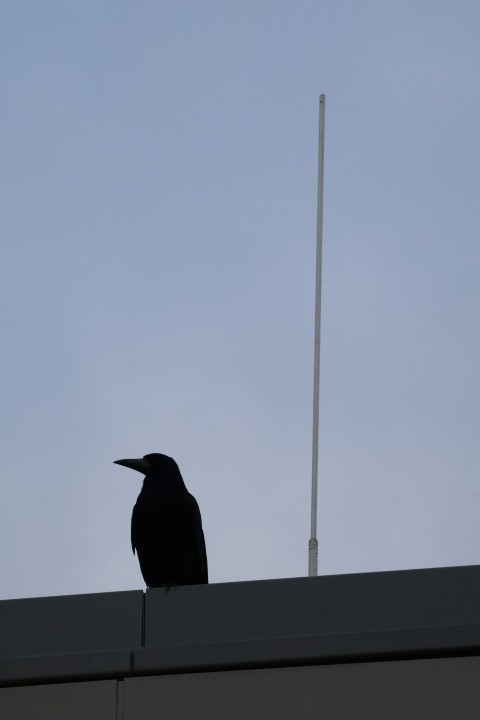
70,624
444,689
333,604
69,701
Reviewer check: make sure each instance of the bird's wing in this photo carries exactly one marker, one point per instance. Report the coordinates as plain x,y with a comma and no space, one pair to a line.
199,537
134,528
204,554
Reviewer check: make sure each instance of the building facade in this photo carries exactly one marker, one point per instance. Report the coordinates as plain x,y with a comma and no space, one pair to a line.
390,645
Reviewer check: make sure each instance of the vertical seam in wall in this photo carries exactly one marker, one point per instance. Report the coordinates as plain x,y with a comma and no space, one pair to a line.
120,693
144,597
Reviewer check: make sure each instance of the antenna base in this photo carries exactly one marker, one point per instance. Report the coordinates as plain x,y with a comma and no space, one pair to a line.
313,557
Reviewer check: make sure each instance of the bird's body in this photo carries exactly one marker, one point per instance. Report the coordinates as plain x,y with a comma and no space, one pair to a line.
166,528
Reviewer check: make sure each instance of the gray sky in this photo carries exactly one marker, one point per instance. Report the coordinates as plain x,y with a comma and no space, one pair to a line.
158,176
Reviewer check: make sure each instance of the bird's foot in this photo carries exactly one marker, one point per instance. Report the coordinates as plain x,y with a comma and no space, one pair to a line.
167,586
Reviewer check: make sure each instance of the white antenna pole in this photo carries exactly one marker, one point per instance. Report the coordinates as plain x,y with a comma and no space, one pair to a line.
313,543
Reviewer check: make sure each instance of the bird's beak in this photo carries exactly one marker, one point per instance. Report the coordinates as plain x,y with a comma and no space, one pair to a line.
141,465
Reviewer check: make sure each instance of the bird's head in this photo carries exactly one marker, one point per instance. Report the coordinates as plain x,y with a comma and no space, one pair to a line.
153,464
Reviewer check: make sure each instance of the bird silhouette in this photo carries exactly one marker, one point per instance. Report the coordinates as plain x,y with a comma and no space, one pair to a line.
166,529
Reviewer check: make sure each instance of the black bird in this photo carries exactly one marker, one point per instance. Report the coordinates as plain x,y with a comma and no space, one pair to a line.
166,525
